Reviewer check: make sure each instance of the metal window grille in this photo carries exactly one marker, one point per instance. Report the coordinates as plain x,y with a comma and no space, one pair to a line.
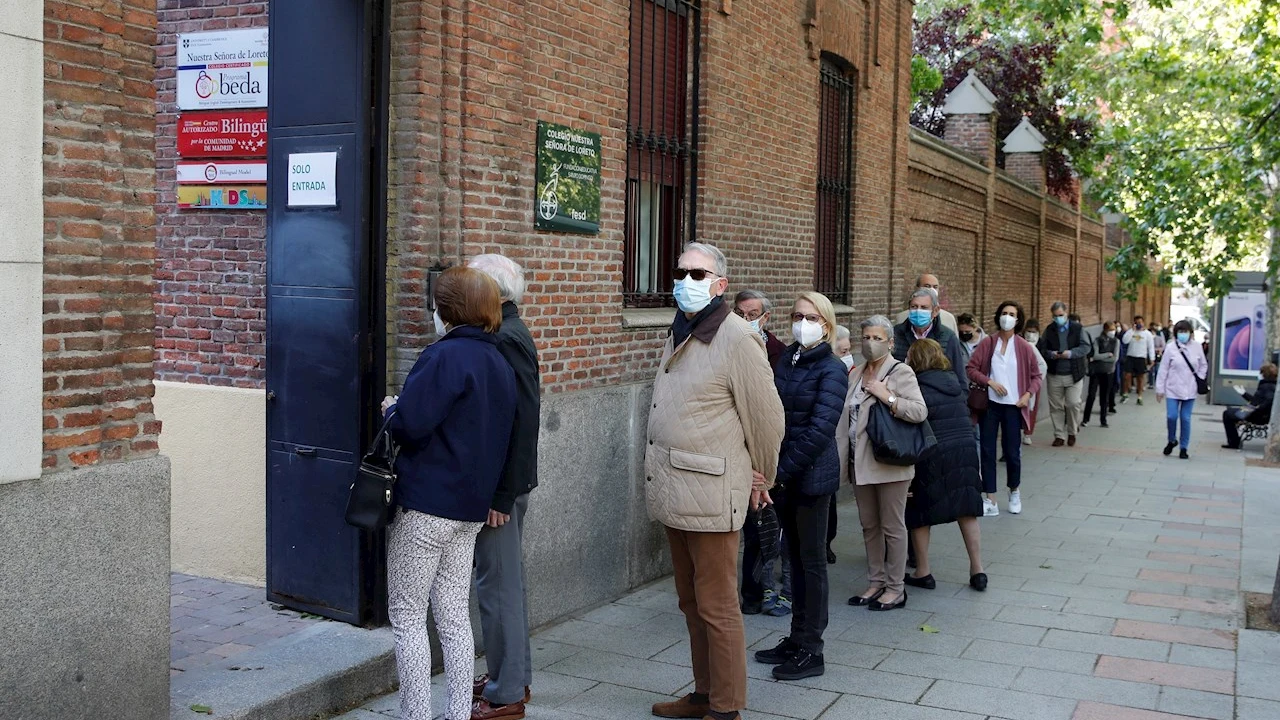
835,183
662,136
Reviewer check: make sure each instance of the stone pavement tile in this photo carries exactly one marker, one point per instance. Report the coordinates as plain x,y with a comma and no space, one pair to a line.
1171,674
931,601
978,672
1181,602
846,617
361,714
667,623
1120,610
1172,634
1196,514
983,700
1080,687
1206,621
553,689
1038,657
1259,647
1202,657
853,707
1087,710
787,699
548,652
1254,709
615,703
1205,544
1036,573
905,639
987,629
1189,579
624,671
841,652
869,683
1212,490
618,615
1189,559
1055,620
1210,530
999,596
1133,583
1199,503
1079,590
226,650
610,639
1257,680
658,596
1197,703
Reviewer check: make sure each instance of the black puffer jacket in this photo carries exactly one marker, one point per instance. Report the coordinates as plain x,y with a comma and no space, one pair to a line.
812,388
948,483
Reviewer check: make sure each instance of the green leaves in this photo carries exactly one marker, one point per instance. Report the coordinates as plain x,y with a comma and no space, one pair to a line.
202,709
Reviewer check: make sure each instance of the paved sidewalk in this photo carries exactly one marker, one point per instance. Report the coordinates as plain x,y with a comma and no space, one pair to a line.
1114,596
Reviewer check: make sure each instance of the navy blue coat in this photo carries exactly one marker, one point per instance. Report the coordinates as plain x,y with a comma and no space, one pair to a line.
904,336
813,390
948,481
453,422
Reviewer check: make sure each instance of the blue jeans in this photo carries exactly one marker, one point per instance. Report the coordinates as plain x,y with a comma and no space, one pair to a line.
1007,421
1175,411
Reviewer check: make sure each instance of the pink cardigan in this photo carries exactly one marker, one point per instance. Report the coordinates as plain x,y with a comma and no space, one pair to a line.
1029,378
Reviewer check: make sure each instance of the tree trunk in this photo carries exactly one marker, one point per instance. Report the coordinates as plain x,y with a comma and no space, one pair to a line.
1272,453
1273,612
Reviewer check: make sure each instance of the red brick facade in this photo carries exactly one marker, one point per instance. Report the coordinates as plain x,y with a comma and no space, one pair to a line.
99,232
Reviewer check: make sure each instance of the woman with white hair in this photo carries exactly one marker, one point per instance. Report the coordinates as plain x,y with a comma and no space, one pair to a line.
881,490
842,347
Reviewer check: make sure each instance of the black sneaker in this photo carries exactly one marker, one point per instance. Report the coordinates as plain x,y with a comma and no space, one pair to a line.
801,665
752,608
1168,449
780,654
1182,455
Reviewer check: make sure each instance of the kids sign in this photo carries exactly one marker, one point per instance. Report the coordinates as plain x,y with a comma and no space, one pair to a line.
223,69
235,133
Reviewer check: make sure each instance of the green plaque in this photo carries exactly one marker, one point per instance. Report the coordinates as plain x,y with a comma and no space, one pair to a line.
567,192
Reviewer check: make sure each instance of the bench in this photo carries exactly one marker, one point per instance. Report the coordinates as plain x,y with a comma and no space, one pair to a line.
1251,431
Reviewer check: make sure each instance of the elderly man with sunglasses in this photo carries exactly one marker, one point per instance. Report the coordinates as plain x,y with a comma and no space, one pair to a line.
714,431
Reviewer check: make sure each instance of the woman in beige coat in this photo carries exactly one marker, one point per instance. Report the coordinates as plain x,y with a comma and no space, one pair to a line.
881,490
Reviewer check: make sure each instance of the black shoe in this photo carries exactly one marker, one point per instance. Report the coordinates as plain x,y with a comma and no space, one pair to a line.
778,655
877,606
801,665
752,608
1182,455
978,582
1104,424
1168,449
859,601
927,582
831,556
1230,447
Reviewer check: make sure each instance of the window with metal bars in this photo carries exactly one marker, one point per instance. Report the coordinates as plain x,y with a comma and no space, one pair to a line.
835,182
662,155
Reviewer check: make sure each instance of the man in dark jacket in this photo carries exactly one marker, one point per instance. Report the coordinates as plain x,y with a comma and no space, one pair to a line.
500,591
1258,411
922,322
755,307
1065,347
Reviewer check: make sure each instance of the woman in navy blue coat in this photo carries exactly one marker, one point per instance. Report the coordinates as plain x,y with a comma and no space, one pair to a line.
812,383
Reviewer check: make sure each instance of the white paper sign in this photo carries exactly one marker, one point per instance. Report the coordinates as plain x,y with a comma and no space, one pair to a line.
223,69
312,179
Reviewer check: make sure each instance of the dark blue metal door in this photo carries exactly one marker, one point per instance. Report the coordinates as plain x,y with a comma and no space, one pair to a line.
322,266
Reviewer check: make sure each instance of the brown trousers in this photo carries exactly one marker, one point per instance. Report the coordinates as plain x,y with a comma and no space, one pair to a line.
706,574
882,509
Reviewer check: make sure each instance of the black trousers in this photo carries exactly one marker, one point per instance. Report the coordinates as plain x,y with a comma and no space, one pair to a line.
1101,387
832,521
804,523
1230,417
752,589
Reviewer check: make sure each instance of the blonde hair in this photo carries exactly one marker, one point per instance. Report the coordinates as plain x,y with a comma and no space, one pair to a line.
824,308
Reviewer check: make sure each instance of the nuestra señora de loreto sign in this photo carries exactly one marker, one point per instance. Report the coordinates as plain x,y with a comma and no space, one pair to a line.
222,69
567,185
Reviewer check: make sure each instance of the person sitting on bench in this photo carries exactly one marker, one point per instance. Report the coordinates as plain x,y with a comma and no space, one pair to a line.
1258,410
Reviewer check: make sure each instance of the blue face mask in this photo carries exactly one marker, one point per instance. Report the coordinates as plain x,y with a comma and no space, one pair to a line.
1184,338
920,318
692,296
1060,319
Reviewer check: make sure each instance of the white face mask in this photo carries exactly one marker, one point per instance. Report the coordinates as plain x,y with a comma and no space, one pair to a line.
692,296
755,326
1033,337
441,330
806,333
1111,333
1008,322
848,362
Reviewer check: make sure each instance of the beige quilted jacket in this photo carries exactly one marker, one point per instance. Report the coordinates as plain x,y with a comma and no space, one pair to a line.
715,416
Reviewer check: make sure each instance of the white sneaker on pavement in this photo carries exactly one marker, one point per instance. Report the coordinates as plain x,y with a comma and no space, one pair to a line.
1015,502
1026,439
989,507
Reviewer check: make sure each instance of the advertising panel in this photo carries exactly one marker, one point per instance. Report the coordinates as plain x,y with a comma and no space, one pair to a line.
235,133
227,172
222,197
1242,343
222,69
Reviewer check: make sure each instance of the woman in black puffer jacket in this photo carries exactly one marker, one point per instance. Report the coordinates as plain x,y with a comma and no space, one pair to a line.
948,483
812,383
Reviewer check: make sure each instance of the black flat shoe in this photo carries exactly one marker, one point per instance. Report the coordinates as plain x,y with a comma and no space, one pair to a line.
927,582
859,601
978,582
1230,447
877,606
1182,455
1168,449
831,556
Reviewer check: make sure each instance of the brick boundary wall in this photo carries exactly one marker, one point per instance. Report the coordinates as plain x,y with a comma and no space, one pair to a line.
210,297
99,232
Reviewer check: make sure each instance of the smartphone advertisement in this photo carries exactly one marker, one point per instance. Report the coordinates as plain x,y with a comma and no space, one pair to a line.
1242,347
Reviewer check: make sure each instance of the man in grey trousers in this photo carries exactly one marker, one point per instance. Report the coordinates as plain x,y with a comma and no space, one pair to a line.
500,584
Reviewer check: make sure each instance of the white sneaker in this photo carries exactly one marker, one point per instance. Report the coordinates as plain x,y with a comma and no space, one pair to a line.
1026,439
989,507
1015,502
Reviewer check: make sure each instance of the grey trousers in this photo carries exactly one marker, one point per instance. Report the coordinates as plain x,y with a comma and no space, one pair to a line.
504,607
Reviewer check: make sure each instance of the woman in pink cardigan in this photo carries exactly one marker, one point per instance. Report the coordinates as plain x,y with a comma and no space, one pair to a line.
1005,365
1182,363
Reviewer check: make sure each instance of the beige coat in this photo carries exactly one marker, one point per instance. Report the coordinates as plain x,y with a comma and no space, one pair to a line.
909,406
716,415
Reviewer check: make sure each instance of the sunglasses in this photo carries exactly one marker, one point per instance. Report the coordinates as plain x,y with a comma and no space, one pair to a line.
698,274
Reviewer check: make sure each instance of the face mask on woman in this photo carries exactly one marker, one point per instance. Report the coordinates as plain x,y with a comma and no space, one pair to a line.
806,333
441,330
848,362
873,350
966,336
1033,337
1184,337
1111,333
691,295
1008,322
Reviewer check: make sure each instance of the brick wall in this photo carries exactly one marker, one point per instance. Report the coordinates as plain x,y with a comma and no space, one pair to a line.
99,232
210,297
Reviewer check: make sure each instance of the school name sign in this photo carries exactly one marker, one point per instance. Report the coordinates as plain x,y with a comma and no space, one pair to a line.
567,185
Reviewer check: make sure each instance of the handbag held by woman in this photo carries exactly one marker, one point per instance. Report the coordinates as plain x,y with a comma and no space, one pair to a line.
894,441
371,503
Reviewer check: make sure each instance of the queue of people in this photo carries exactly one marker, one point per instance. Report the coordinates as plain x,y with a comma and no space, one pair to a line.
749,440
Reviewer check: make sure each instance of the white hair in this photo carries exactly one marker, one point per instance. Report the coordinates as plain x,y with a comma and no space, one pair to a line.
504,271
713,252
879,321
842,332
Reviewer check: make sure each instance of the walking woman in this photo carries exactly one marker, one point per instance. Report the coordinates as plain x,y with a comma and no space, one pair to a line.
1005,365
880,489
948,485
1176,384
812,383
1102,371
453,422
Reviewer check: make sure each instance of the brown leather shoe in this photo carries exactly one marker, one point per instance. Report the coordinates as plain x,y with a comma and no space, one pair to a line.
736,716
1071,440
685,707
479,683
482,710
1058,442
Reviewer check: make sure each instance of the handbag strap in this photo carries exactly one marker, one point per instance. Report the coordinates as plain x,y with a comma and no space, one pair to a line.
1187,360
383,438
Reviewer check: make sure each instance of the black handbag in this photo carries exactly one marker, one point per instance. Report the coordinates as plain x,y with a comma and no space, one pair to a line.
1202,384
371,503
894,441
